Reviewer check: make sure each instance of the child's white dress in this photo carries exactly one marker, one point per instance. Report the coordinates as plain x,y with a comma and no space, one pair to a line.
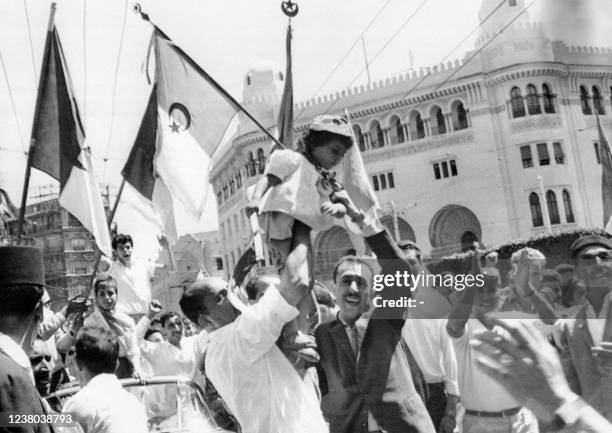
299,196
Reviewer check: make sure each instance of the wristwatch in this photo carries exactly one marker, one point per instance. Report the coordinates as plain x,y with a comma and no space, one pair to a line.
568,413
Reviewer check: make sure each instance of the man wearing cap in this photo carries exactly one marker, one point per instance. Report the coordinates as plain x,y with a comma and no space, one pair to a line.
21,285
579,338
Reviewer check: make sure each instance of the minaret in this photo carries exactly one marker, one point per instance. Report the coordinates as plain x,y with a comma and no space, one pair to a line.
261,95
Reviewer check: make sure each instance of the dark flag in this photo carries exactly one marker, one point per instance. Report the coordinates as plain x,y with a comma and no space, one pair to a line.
244,265
285,113
57,145
606,174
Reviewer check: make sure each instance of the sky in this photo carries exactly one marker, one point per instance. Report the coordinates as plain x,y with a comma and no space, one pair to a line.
226,38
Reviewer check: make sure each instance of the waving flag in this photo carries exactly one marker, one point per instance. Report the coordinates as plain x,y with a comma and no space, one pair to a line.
285,112
186,119
606,175
57,145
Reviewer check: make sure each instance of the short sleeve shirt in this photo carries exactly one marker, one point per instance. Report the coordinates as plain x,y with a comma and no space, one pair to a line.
133,285
478,391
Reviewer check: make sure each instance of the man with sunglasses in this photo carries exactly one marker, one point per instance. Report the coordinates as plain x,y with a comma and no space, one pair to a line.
579,339
489,407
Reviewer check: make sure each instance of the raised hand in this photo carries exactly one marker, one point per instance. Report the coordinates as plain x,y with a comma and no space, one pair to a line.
525,364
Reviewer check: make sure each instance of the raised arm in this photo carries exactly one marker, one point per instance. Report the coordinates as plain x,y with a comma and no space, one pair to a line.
528,280
460,313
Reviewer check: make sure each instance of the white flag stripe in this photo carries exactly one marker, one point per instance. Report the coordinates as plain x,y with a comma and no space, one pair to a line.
81,197
209,112
183,165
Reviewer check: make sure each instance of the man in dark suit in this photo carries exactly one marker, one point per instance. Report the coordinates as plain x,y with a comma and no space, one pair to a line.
580,339
367,373
21,290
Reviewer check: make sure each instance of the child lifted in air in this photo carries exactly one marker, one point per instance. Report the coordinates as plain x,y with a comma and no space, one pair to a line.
293,199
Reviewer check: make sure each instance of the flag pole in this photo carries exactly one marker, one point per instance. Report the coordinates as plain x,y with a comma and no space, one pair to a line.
111,217
39,95
204,74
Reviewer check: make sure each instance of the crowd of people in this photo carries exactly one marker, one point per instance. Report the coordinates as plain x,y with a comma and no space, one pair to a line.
281,353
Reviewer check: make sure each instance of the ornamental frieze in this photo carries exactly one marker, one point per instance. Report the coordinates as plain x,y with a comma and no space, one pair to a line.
418,146
531,123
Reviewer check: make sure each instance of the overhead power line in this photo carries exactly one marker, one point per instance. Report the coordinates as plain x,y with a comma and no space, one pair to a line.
451,52
27,17
384,47
346,54
13,107
112,117
479,50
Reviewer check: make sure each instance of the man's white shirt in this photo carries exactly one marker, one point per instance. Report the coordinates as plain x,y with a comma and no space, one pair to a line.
133,285
165,359
433,350
258,383
103,406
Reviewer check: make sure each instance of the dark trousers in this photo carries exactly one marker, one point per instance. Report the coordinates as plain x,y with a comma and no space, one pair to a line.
436,403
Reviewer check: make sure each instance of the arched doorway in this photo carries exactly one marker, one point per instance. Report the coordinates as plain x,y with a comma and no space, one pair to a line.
453,229
330,246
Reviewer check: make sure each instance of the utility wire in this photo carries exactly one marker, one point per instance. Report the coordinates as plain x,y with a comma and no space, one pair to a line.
346,54
451,52
27,16
84,62
112,118
10,92
455,72
6,149
397,32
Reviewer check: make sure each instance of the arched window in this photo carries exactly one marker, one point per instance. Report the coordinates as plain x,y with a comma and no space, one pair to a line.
536,210
417,127
396,131
438,118
359,137
567,205
516,101
261,160
597,102
533,100
377,135
251,169
238,178
548,99
459,115
232,186
584,101
553,209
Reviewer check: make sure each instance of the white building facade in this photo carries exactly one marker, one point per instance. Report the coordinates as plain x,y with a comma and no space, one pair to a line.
454,152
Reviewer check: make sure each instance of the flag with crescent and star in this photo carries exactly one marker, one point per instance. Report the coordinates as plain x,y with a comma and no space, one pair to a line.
186,119
58,145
